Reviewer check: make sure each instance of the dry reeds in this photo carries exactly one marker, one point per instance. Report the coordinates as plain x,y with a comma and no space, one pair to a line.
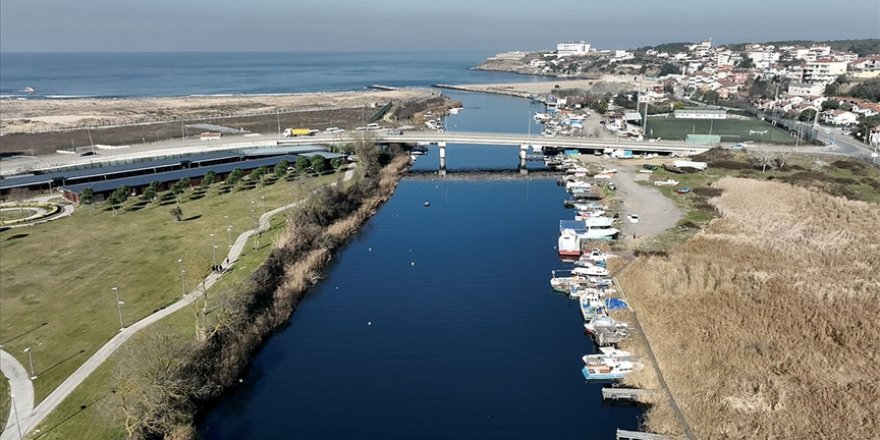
765,323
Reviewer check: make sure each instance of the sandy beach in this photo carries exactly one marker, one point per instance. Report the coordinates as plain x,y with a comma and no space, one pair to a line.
46,115
537,88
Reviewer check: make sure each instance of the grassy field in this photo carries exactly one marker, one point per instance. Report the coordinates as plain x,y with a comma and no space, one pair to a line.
759,321
5,406
15,214
56,278
730,130
93,410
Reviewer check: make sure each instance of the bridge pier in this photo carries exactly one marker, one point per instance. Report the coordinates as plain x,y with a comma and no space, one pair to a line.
523,152
442,146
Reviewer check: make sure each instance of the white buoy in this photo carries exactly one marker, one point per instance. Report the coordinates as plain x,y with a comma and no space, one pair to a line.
370,249
369,322
413,263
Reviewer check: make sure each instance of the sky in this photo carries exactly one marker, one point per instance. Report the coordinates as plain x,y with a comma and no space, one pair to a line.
349,25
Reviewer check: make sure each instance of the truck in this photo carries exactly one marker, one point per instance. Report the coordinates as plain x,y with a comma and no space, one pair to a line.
294,132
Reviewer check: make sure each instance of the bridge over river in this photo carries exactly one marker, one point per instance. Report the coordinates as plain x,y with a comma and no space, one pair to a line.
523,142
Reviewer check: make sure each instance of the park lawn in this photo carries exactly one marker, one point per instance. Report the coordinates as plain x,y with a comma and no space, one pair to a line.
56,278
93,410
730,130
15,214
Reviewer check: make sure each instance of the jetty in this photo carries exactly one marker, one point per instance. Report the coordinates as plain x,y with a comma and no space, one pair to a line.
623,434
627,394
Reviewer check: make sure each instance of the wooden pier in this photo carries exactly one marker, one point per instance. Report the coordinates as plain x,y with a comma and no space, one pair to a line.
637,435
632,394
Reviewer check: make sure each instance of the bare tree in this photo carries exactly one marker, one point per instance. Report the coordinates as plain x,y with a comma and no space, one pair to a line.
766,157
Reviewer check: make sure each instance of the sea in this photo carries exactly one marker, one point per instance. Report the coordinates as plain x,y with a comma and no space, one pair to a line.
433,322
109,75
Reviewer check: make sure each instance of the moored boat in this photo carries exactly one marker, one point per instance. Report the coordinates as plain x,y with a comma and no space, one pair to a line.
608,368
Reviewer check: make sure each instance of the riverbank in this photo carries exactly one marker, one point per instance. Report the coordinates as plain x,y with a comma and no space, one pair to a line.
237,328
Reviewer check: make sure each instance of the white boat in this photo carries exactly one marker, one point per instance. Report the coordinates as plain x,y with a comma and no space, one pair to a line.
667,182
602,367
454,110
599,228
578,291
566,284
577,184
541,117
569,243
29,89
606,322
591,307
590,271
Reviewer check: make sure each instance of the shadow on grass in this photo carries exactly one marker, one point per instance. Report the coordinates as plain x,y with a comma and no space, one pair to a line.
167,202
24,333
16,236
195,217
56,364
197,196
74,414
137,206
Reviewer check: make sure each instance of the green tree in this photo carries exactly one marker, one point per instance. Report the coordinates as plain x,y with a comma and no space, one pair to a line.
234,177
669,68
746,63
149,193
807,115
179,188
302,163
281,168
830,104
87,196
257,174
864,127
336,163
710,97
599,106
208,180
319,164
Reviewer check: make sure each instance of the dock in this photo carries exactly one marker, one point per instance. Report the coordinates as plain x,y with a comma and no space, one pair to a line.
637,435
631,394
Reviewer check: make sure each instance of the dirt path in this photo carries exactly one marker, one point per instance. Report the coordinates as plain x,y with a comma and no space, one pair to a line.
656,212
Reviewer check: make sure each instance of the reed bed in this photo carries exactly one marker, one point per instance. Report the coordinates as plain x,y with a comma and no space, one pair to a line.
764,324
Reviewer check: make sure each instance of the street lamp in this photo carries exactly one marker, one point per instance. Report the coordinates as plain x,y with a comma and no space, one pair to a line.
15,411
228,230
31,362
213,250
182,284
119,307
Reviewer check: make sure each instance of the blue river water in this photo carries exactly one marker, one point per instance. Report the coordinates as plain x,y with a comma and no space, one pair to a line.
435,322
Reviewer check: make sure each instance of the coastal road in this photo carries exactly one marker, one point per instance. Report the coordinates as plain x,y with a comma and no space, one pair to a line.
31,418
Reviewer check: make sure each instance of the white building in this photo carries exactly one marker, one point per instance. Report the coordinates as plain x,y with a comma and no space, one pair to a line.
805,89
572,48
765,55
840,117
824,70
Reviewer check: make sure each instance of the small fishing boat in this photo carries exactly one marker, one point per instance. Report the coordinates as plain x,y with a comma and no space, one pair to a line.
607,323
589,271
591,307
603,367
569,244
565,284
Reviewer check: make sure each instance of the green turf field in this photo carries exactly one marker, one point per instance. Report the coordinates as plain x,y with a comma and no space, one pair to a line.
730,130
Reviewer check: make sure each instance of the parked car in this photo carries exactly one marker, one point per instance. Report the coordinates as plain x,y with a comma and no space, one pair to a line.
395,132
612,187
633,218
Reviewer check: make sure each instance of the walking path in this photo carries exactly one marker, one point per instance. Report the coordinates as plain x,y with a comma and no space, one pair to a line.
29,417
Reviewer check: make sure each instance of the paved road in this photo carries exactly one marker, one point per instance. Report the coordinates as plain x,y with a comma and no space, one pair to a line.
23,389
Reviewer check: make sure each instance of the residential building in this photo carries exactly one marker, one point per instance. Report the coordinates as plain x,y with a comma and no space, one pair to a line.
840,117
868,63
874,137
866,108
824,70
572,48
805,89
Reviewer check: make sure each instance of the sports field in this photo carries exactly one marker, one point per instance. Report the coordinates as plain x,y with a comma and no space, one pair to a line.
730,130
